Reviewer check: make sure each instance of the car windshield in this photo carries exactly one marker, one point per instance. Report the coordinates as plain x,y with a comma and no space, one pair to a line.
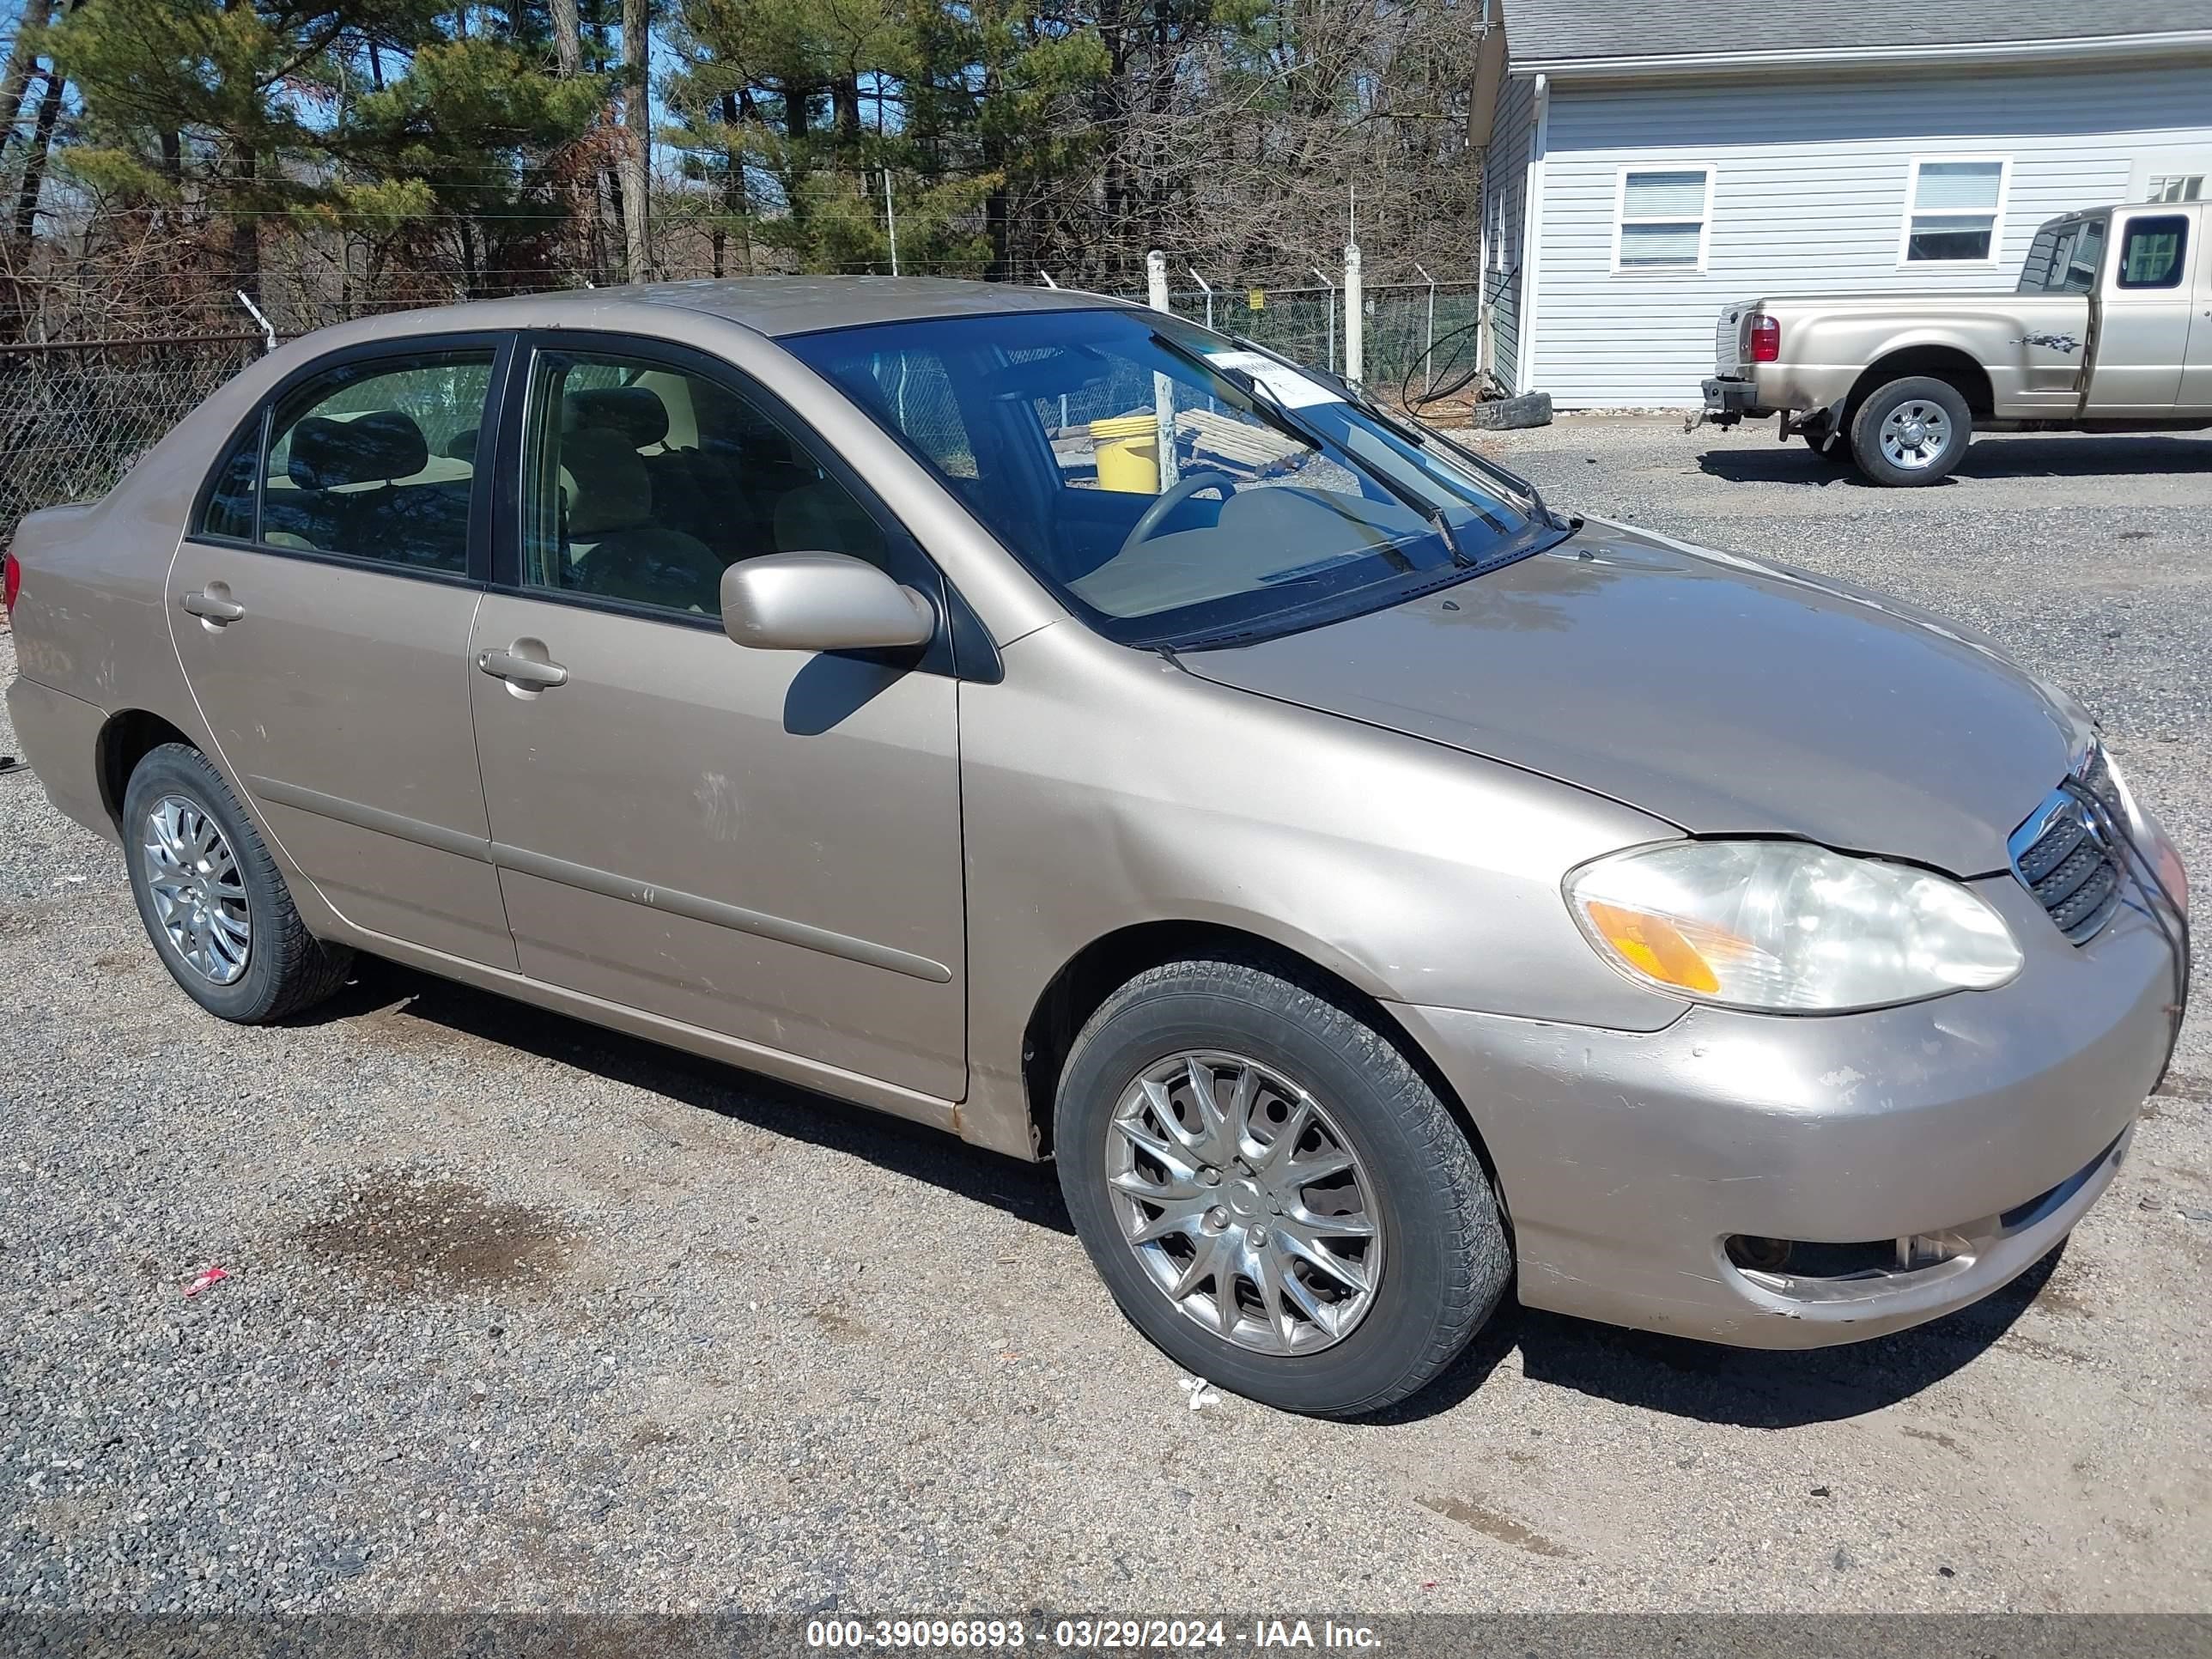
1277,504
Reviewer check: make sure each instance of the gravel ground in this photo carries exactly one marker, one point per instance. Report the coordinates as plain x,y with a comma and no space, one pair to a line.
521,1315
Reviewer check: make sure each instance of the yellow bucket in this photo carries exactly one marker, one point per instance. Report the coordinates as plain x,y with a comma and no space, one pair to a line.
1127,448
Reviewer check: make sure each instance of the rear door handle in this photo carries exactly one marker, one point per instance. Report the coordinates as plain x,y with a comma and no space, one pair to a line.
534,672
213,604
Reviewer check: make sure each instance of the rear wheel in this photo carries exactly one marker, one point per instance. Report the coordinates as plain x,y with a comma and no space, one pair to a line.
1816,440
212,899
1911,432
1274,1195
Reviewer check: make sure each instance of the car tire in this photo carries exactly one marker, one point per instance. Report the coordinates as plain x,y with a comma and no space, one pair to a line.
1912,433
1320,1347
222,920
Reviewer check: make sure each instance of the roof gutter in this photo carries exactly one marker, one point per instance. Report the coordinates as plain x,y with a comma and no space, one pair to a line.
2090,48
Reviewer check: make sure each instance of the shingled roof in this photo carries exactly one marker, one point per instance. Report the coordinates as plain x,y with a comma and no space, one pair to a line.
1592,30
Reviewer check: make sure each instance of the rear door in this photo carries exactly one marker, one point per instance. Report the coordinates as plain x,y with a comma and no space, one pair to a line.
2143,326
321,608
764,844
2196,373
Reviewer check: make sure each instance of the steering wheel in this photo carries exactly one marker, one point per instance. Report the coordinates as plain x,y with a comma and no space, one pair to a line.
1171,498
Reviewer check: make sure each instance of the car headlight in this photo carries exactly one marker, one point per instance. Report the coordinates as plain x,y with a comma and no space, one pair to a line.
1787,927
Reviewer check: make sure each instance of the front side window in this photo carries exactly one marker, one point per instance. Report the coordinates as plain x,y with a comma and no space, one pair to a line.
1953,210
642,483
1663,217
1171,486
2151,251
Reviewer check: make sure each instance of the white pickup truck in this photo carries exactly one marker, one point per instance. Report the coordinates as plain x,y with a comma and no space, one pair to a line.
2109,329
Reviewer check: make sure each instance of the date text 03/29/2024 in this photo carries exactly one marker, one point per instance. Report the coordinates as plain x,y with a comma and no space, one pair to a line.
1087,1635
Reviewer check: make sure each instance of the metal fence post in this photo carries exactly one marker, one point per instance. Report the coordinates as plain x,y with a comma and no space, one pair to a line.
1163,401
1355,355
1429,340
1331,303
268,328
1208,288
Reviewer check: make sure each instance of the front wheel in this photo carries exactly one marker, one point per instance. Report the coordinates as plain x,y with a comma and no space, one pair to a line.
1274,1195
1911,432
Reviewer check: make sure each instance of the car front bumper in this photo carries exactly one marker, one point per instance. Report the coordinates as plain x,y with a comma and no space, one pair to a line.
1982,1124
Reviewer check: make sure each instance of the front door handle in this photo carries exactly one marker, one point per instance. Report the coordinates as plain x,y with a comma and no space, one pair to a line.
213,604
515,669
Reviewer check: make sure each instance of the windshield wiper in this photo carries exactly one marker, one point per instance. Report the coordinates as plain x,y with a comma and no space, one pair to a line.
1416,431
1292,424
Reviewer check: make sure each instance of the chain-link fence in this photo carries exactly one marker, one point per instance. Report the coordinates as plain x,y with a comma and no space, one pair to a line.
74,417
1416,337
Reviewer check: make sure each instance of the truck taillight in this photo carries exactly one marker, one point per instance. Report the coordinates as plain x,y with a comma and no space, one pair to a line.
1765,339
11,584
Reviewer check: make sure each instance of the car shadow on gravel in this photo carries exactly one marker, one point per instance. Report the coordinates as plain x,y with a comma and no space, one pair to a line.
1766,1389
1742,1387
1027,1191
1998,457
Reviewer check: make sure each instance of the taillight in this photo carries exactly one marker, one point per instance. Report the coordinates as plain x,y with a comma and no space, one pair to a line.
1765,339
11,583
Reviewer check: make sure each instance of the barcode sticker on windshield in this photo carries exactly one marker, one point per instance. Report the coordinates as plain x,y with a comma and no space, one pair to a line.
1279,380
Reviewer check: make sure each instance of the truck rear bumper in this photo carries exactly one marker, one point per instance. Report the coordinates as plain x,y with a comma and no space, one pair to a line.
1728,402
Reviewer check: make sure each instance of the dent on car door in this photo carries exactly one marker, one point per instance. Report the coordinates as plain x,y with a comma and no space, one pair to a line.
764,844
320,606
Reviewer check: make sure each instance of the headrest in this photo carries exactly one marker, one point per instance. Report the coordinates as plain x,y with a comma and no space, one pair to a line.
462,447
612,489
382,444
636,411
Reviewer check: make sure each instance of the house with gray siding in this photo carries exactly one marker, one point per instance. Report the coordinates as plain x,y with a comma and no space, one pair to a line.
1649,163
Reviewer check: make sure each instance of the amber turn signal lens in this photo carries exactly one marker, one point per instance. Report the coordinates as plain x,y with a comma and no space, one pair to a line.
1655,945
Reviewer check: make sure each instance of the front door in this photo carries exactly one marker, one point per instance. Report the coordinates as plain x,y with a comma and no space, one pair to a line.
2143,325
764,844
321,609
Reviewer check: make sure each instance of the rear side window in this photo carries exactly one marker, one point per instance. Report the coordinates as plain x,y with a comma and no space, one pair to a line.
2151,253
373,461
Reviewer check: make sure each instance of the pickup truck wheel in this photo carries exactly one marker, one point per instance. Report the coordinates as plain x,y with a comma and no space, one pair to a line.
1816,440
1911,432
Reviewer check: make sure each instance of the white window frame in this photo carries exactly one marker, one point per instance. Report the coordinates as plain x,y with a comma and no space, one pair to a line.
1620,217
1996,225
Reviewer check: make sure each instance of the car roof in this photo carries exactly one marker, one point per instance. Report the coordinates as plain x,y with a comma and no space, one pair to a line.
774,305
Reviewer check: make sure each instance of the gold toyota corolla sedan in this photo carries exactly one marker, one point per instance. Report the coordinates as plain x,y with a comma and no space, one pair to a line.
1032,716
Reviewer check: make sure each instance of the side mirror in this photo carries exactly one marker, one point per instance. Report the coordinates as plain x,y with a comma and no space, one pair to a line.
821,602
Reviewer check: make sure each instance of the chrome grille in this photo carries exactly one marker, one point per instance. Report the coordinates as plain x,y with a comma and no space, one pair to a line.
2064,856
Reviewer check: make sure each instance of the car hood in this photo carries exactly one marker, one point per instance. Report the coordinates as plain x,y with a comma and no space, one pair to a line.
1722,694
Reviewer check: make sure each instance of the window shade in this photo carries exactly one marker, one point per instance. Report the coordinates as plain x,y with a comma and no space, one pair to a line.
1664,196
1971,187
1659,245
